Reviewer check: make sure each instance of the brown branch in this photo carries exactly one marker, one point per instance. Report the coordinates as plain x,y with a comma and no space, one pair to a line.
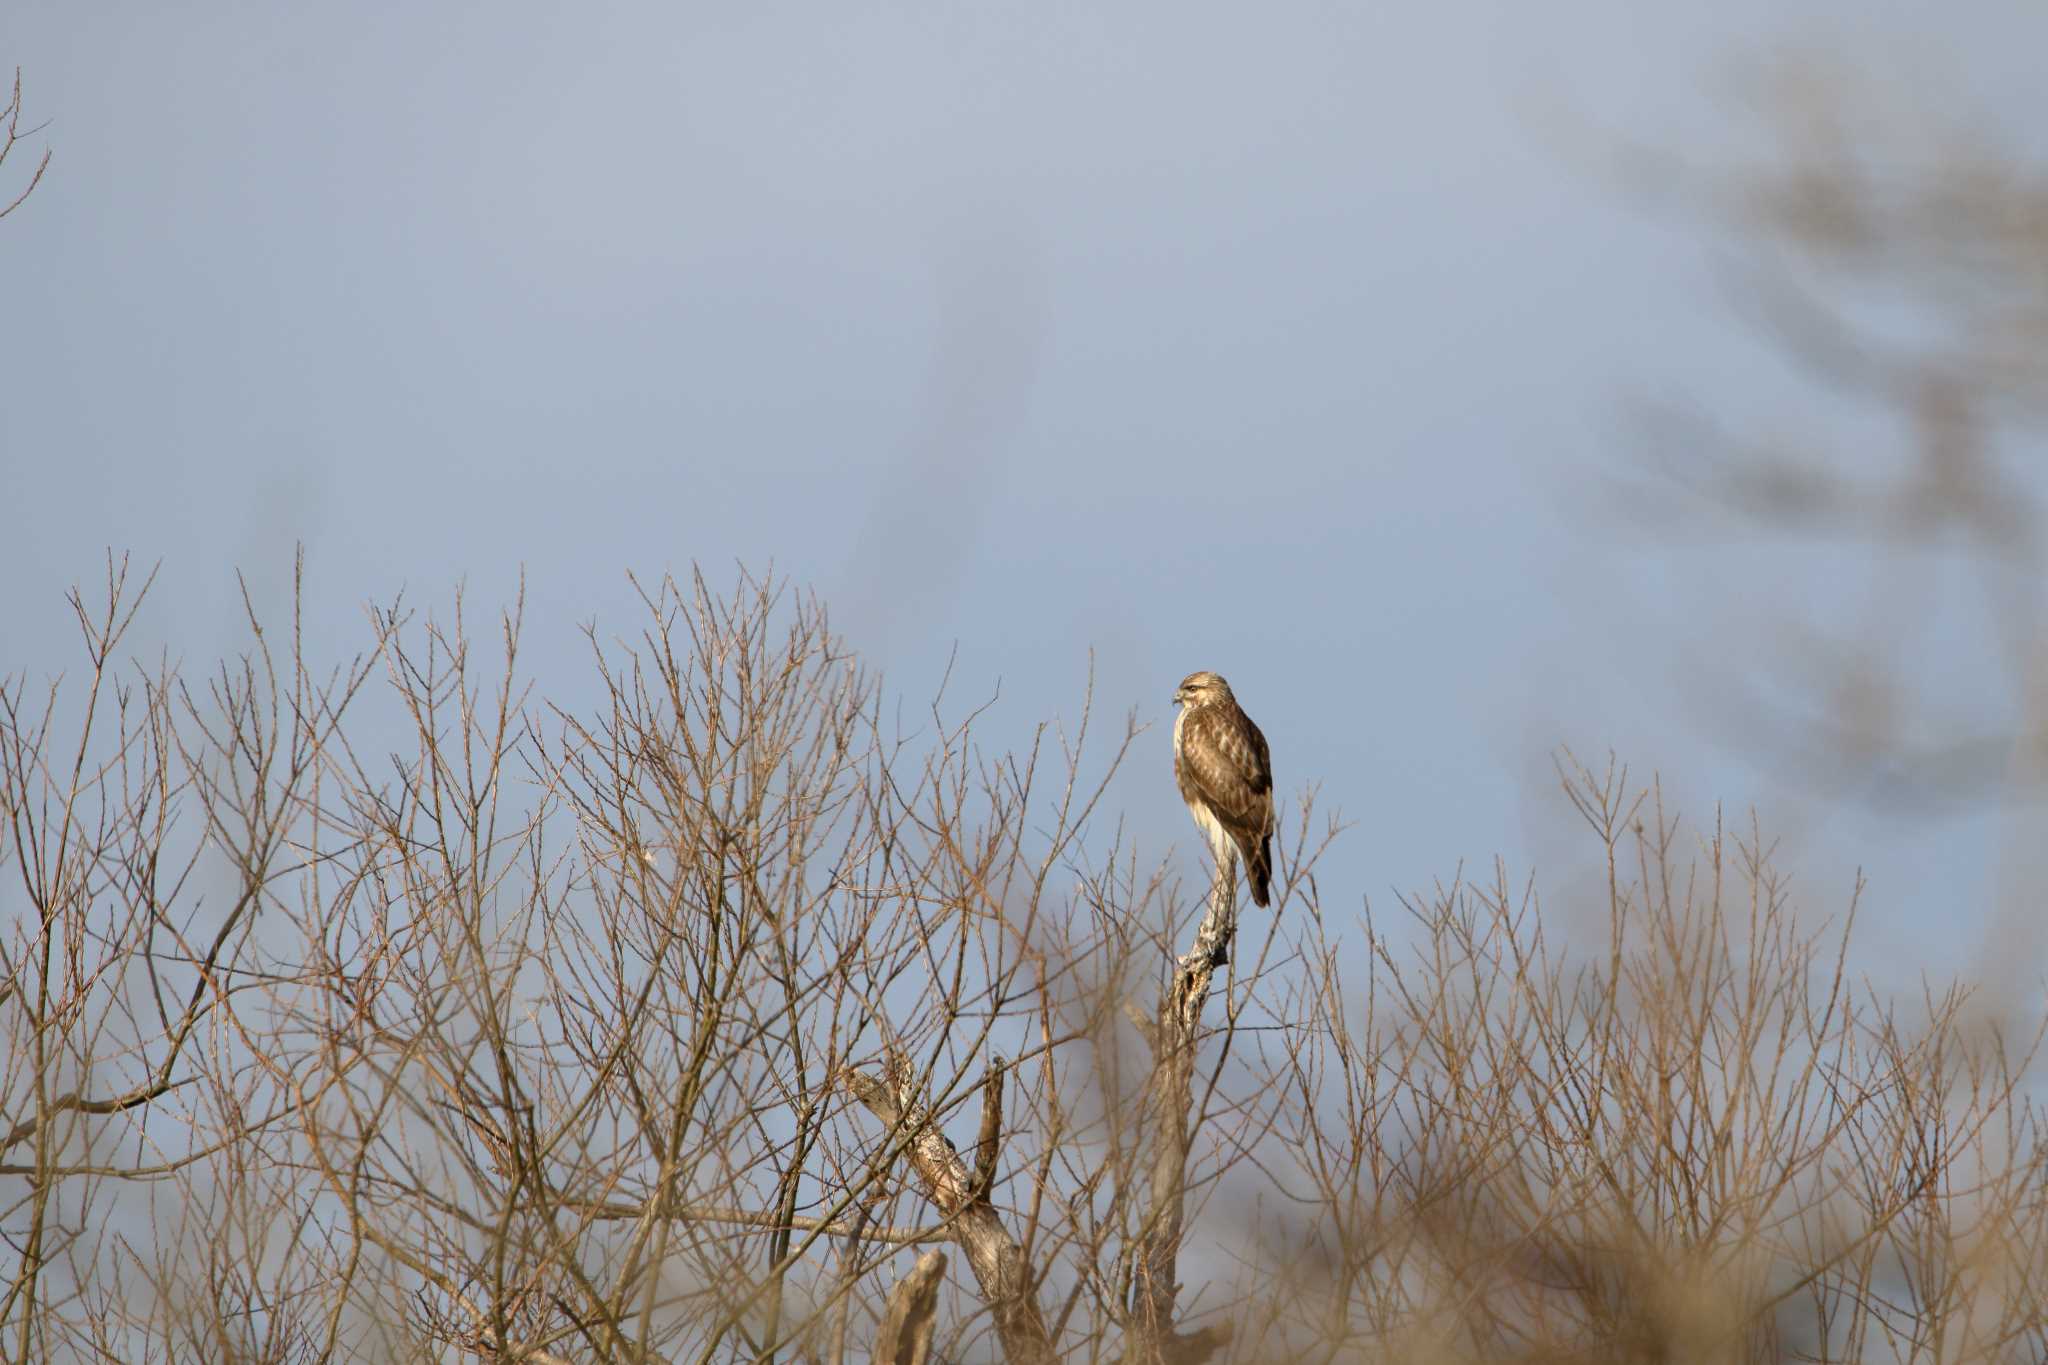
614,1211
996,1259
904,1336
75,1103
12,116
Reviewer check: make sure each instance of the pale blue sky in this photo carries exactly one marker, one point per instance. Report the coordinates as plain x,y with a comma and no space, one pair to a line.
1287,340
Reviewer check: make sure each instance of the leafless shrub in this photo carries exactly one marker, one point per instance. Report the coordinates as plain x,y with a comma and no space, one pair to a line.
690,1026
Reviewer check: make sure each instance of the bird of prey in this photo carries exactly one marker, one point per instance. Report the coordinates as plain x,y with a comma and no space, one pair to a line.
1226,777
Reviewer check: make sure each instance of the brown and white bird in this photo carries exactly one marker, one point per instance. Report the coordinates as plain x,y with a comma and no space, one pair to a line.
1226,777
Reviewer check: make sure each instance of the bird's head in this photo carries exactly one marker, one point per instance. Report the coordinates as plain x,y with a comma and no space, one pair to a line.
1200,689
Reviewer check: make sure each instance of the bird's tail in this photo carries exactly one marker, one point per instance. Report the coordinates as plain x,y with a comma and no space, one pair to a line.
1258,870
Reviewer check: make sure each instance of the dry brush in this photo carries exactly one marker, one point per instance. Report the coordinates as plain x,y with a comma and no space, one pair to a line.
387,1011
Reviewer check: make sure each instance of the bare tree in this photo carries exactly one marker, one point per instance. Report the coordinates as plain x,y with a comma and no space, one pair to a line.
384,1011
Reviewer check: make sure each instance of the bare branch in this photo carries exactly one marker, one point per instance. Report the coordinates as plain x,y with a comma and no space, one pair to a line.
997,1261
11,117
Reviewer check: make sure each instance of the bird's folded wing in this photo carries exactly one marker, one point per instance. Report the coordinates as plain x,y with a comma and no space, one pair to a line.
1226,764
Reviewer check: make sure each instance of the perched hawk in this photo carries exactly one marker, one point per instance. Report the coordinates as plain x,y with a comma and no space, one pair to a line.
1226,777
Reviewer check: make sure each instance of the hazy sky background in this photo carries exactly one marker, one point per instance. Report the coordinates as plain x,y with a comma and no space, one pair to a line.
1287,340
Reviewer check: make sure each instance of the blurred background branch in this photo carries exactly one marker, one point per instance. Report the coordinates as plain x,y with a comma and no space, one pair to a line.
1897,258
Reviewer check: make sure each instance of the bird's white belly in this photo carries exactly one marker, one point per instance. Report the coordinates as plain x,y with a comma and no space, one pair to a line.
1221,846
1220,841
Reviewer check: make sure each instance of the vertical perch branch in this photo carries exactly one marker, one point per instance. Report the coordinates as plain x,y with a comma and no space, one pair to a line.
1152,1337
1218,928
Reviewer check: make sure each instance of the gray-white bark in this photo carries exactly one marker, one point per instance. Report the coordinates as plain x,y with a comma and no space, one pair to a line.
1171,1097
996,1259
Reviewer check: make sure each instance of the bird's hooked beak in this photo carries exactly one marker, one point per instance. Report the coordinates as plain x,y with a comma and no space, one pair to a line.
1180,694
